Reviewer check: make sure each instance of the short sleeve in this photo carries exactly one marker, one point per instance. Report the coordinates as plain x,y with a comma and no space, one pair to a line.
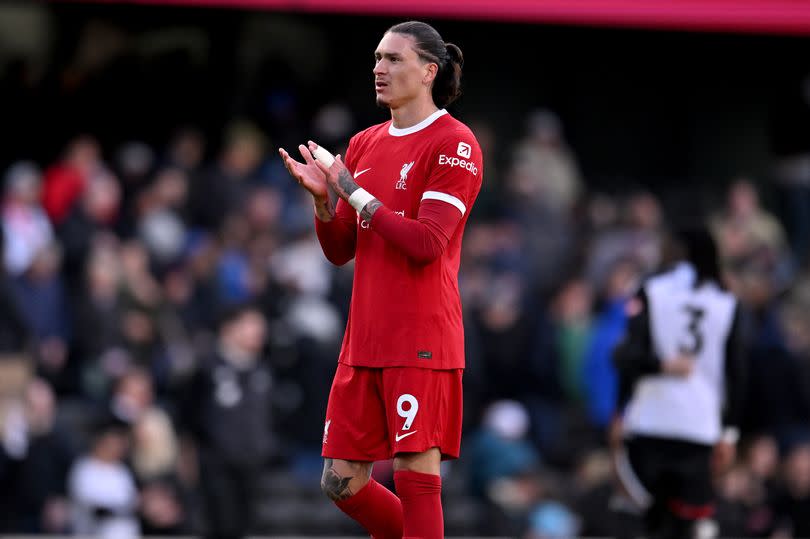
457,171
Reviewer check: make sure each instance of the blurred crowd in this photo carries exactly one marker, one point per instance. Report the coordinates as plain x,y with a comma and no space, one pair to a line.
169,329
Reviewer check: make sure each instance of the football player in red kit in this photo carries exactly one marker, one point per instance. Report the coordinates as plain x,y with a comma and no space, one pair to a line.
398,204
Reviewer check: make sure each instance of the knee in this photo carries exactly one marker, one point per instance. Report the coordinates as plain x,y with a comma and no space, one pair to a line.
334,486
339,482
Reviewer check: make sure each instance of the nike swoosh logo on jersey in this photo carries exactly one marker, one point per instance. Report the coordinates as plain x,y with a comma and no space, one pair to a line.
356,174
398,437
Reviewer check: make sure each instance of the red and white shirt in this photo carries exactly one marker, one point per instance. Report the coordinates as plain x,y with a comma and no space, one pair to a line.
405,308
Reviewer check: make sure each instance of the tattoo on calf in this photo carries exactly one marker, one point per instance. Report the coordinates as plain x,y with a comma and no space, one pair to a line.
335,486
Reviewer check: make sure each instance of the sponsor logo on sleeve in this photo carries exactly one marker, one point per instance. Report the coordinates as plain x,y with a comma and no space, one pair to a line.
464,150
453,162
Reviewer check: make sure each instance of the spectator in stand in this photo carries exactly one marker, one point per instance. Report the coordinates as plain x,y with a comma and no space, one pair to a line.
222,188
571,311
599,374
26,229
750,238
186,150
542,187
229,413
43,303
154,453
102,490
99,341
66,180
41,492
133,404
546,171
15,335
744,225
162,216
93,217
503,463
640,235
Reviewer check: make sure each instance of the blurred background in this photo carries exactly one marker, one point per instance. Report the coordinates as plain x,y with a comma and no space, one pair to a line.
169,327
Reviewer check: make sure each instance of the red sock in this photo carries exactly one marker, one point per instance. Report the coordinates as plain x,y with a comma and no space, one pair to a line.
421,496
377,509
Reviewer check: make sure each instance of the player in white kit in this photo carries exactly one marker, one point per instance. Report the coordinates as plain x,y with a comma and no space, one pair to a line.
681,370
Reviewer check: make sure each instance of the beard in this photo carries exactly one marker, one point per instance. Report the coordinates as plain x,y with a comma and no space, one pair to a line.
382,103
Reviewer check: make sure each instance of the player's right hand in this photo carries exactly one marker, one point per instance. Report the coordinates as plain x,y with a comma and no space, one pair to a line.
680,365
307,173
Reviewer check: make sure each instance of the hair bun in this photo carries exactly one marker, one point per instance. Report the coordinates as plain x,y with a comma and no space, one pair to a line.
454,54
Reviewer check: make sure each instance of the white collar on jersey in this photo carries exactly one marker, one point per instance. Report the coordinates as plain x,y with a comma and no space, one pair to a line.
397,132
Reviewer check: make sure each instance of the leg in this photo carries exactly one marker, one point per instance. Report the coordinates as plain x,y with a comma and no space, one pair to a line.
221,498
341,479
355,430
245,498
424,408
419,486
691,505
639,481
349,485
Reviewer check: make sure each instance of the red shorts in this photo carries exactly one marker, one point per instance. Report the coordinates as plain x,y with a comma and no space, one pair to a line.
373,414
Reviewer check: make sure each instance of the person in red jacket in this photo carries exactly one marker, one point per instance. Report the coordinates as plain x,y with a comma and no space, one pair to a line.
398,204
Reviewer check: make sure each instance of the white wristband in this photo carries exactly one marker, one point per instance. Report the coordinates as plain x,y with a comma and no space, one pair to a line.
360,198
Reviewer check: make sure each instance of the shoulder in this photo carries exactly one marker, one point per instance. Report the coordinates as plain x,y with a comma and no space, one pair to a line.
452,128
370,133
452,141
681,276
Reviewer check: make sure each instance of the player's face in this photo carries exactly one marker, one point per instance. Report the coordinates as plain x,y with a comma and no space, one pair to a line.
400,75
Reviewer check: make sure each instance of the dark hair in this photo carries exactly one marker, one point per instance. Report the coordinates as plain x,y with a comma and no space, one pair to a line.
700,249
430,46
232,313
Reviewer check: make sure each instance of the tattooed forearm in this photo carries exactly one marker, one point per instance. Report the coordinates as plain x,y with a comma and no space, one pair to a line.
370,209
332,195
324,209
335,486
344,185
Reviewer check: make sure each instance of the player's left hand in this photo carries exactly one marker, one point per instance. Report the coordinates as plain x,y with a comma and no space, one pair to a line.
723,456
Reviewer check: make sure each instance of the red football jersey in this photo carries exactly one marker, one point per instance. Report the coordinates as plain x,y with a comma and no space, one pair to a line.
404,313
